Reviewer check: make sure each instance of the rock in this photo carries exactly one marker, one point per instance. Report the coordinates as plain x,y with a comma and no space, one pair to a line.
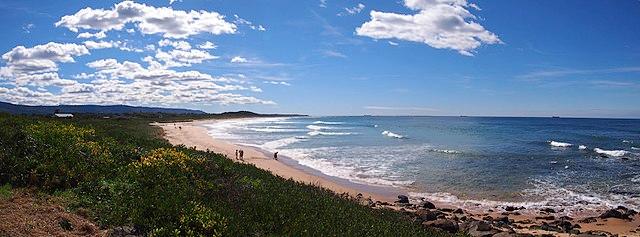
444,224
549,218
595,233
402,199
123,231
564,225
426,215
507,234
480,229
548,210
614,213
458,211
549,227
446,210
510,208
588,220
427,205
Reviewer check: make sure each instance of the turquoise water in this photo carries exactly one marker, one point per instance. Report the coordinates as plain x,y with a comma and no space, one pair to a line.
575,164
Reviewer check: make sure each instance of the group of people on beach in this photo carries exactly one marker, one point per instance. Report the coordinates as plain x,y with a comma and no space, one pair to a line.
240,155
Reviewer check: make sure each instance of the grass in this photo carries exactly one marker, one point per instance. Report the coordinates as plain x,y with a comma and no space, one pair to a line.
5,191
122,173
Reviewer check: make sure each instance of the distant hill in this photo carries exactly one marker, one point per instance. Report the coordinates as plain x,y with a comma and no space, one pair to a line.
91,109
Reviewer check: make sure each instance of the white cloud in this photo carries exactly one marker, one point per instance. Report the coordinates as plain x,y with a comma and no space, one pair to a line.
99,35
27,28
182,58
238,59
149,20
38,65
323,3
207,45
333,53
442,24
354,10
393,43
180,45
241,21
98,45
284,83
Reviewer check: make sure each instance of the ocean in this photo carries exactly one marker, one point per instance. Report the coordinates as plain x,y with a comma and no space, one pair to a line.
571,164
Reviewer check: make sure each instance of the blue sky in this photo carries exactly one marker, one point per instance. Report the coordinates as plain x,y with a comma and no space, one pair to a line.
411,57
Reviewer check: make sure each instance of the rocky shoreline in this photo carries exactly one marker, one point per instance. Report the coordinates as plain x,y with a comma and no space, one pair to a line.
503,221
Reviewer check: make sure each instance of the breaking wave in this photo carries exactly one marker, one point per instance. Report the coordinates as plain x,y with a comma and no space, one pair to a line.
316,133
325,122
616,153
391,134
560,144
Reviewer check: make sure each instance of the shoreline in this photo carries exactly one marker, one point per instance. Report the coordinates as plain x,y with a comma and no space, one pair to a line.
194,134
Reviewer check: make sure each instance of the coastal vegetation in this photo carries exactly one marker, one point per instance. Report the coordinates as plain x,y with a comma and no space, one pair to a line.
121,174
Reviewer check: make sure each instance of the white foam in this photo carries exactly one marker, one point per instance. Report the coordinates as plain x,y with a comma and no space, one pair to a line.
635,148
560,144
272,146
346,171
316,127
636,179
552,196
616,153
444,151
582,147
324,122
316,133
391,134
626,141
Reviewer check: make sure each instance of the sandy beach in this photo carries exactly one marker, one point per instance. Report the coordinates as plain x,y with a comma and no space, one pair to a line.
193,134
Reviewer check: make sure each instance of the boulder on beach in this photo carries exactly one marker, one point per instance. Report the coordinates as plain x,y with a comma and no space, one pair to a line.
402,199
443,224
427,205
619,213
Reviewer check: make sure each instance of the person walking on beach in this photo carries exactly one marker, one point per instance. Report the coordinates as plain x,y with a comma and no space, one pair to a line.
241,155
236,154
275,156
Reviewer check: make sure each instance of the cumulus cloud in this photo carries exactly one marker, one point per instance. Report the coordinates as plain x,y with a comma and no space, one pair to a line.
38,65
98,45
148,20
442,24
180,45
207,45
238,59
99,35
30,74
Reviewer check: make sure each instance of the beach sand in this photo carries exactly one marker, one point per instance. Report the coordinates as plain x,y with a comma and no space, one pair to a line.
194,134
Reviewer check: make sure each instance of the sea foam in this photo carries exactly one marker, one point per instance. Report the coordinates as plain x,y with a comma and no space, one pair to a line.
560,144
616,153
325,122
391,134
316,133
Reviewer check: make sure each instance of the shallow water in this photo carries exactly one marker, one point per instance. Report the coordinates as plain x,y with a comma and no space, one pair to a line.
573,164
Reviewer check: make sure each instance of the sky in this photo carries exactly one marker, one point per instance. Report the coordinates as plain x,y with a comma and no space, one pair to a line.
328,57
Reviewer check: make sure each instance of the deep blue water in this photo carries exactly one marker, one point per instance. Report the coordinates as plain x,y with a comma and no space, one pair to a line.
469,160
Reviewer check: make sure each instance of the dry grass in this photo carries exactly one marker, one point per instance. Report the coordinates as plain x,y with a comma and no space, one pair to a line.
27,214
